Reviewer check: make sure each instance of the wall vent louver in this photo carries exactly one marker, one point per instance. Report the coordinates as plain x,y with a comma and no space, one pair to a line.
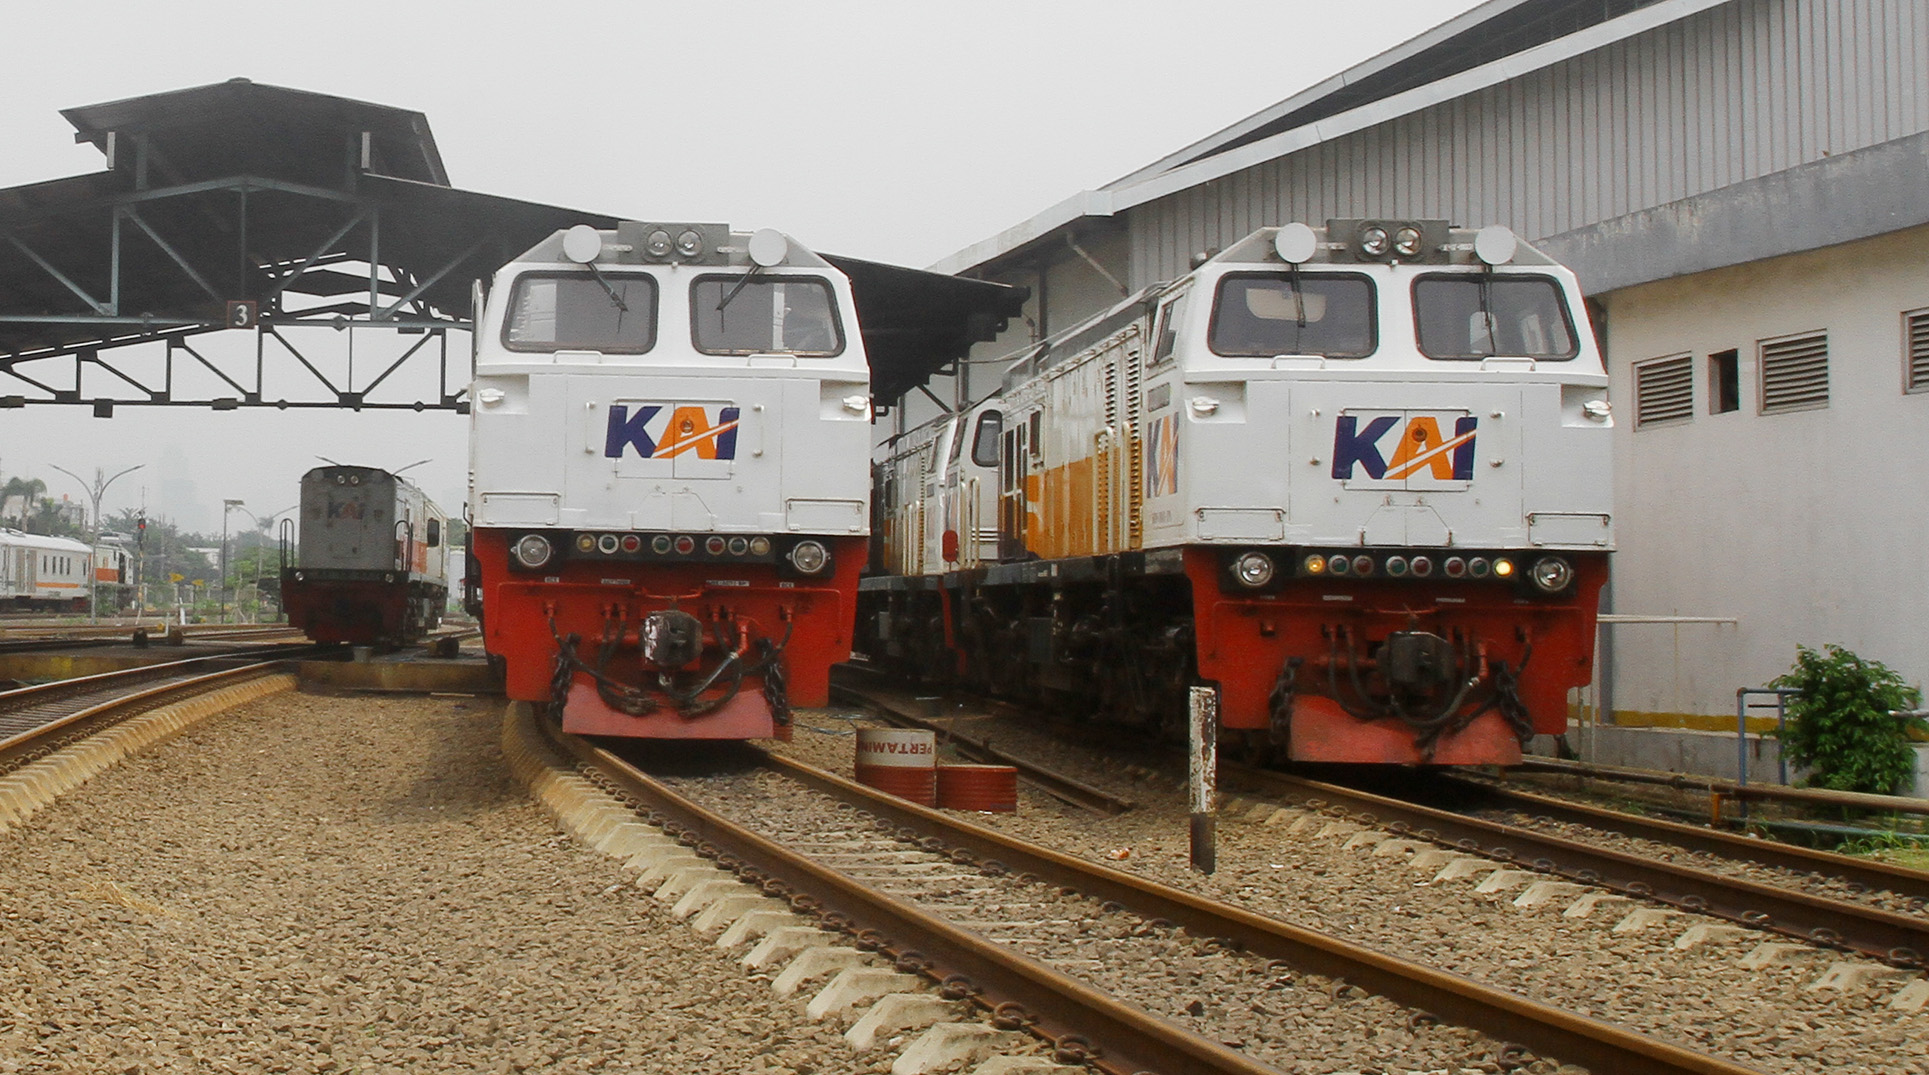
1664,390
1795,373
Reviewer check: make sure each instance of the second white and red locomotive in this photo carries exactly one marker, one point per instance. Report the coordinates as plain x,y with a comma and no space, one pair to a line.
1354,477
668,478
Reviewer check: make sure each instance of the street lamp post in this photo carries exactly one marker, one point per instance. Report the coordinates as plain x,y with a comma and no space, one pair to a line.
96,491
221,592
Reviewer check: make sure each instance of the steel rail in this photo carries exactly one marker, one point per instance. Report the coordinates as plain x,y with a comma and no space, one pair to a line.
1727,845
1133,1040
1051,782
1900,940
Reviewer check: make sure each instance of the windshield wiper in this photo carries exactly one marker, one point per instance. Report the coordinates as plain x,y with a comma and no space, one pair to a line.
615,299
741,284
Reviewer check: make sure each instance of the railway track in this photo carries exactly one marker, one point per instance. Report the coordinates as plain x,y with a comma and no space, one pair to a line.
56,736
1079,956
1793,909
1899,940
39,720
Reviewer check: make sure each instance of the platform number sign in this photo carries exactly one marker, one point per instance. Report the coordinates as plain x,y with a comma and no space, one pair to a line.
243,314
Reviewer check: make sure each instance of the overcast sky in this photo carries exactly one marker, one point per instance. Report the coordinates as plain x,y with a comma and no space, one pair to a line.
894,130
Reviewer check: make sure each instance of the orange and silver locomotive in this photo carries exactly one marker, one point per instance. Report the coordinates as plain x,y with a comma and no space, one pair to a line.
1356,477
668,482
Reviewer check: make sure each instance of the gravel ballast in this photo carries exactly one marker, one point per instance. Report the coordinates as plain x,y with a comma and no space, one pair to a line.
313,884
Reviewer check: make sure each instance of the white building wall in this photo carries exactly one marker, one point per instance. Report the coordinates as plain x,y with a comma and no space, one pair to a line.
1809,526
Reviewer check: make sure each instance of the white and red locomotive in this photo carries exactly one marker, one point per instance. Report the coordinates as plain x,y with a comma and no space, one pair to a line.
1356,477
372,564
668,490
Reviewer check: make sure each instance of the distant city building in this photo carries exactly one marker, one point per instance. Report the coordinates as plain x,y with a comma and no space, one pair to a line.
1743,188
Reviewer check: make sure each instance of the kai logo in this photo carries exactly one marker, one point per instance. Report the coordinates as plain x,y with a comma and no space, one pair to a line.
1420,449
665,431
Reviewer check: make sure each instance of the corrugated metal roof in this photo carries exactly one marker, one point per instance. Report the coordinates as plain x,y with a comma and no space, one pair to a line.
1500,40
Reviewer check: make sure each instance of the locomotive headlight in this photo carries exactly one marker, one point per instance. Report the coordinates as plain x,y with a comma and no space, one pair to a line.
1253,570
1406,242
689,244
658,245
1551,574
532,550
809,557
1373,241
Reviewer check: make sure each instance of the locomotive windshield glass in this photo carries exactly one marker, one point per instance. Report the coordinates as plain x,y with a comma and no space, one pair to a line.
1465,316
615,314
1265,314
743,315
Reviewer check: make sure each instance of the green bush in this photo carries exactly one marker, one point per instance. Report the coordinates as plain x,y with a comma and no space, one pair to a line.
1840,725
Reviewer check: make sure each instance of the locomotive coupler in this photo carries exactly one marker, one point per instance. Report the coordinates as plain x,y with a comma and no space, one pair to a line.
671,638
1418,661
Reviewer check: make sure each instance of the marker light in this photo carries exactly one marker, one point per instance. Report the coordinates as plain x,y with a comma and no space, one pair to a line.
1406,242
738,546
532,550
1455,567
1363,564
686,544
658,244
713,545
1479,568
1338,564
632,543
760,546
810,557
1503,568
1396,566
689,244
1495,244
660,544
608,544
1373,241
1422,566
1314,565
1551,574
585,542
1253,570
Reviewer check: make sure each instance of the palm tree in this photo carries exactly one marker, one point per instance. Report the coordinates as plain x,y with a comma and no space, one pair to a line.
26,490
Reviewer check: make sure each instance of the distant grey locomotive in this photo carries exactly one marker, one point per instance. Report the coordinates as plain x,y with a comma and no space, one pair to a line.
372,565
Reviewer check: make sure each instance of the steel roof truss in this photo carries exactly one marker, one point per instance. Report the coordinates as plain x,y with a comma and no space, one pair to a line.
99,306
430,282
128,212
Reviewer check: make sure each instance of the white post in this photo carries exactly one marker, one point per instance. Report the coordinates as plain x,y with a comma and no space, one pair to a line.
1204,777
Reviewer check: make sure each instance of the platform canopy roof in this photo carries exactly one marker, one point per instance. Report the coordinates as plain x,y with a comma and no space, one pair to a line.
316,208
